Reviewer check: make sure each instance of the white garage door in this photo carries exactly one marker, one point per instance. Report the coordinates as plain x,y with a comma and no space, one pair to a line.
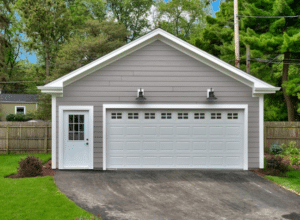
175,138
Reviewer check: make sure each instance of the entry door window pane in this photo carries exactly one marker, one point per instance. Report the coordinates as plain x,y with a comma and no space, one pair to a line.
76,127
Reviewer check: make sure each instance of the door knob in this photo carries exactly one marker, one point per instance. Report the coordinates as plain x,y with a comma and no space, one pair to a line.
86,143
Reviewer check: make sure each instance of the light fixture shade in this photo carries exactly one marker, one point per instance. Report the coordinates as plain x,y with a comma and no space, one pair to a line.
210,95
140,95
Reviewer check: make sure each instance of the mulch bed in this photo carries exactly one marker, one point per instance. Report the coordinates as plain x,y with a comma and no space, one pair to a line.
47,171
263,173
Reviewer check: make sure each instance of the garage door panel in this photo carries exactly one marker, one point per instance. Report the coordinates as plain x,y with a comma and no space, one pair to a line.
175,139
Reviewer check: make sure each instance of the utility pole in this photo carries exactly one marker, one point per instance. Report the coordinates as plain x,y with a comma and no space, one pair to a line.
236,35
248,58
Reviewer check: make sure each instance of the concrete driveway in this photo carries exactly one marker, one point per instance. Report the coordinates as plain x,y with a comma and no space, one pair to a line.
178,194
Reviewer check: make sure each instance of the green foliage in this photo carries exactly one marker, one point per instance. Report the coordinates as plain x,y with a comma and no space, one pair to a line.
47,24
95,40
19,117
276,149
294,160
28,198
132,14
44,108
183,18
30,167
291,149
275,165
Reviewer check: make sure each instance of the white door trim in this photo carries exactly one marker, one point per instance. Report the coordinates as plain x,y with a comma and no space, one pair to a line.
178,106
61,110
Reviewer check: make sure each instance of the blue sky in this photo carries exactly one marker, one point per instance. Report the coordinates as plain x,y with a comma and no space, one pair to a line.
32,57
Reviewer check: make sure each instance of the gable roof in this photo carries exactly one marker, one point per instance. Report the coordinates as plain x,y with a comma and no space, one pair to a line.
258,86
19,98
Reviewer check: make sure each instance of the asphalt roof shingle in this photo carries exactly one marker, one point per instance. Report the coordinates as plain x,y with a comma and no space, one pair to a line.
19,98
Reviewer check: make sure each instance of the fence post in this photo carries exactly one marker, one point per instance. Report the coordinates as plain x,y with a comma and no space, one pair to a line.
7,133
265,136
46,139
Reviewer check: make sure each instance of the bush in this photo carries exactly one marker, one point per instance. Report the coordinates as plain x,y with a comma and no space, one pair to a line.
30,166
19,117
276,165
294,160
292,149
275,149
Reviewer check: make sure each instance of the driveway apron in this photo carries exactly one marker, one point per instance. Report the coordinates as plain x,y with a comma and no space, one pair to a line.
178,194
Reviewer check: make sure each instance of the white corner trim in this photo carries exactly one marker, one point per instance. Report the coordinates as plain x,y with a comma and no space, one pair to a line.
261,131
61,110
53,141
179,106
20,106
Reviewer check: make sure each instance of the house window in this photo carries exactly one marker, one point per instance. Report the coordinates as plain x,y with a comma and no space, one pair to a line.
20,110
76,127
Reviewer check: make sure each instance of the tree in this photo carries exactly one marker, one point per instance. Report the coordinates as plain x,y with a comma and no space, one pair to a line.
132,14
275,39
95,40
182,17
47,24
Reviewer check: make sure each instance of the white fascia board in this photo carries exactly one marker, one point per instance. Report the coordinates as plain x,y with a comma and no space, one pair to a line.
171,40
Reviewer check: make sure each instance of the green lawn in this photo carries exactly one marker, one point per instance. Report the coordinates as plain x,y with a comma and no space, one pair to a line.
33,198
291,182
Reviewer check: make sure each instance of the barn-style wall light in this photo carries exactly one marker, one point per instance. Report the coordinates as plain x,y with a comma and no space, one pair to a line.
210,95
140,95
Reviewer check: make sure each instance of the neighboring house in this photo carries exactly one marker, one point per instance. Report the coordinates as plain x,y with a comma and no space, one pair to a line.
17,103
98,123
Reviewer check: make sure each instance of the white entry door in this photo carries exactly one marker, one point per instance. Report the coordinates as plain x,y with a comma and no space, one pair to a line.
76,148
139,138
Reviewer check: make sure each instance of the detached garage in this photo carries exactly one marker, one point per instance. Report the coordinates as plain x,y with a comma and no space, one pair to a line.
157,103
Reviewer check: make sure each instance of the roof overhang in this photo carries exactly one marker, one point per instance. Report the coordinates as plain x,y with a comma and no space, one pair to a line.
258,86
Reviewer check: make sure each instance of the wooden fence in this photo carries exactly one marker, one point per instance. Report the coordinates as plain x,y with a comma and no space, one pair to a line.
25,137
281,133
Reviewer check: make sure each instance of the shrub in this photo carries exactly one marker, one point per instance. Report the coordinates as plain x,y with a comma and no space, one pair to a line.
30,166
19,117
294,160
292,149
276,165
275,149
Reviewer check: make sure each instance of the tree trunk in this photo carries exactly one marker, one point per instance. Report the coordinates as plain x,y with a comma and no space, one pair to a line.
287,98
47,64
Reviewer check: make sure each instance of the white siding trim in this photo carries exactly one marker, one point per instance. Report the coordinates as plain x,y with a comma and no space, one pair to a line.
178,106
53,145
61,126
261,131
20,106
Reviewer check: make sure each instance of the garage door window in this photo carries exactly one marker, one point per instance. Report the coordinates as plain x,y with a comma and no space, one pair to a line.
199,115
215,116
166,115
149,115
232,116
116,115
133,115
183,115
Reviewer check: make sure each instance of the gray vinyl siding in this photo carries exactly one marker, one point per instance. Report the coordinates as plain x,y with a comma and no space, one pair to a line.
168,76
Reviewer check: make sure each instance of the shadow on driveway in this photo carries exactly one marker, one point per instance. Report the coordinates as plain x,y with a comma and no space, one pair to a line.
178,194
